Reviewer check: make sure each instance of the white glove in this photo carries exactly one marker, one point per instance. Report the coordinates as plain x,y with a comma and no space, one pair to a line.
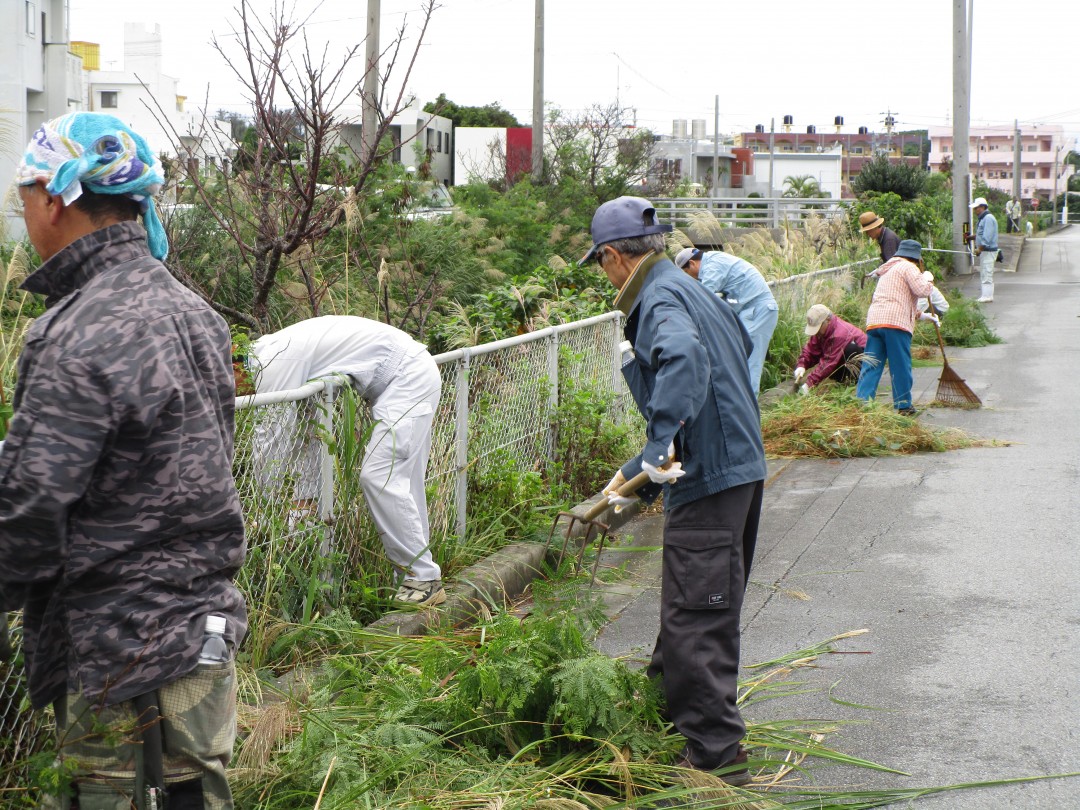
614,499
928,276
804,389
930,316
800,372
669,473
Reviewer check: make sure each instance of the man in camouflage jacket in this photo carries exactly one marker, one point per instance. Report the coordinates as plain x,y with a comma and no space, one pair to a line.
120,523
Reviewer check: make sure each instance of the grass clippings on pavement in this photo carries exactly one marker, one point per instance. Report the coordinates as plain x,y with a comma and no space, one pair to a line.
833,424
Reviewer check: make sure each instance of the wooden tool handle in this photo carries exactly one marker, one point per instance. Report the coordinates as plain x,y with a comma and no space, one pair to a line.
940,342
626,490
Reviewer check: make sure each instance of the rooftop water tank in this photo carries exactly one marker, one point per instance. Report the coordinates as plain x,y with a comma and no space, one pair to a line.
678,128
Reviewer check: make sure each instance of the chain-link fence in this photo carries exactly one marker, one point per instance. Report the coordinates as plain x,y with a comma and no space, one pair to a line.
298,453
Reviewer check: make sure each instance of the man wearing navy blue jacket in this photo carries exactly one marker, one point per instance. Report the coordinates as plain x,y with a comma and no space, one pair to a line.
690,379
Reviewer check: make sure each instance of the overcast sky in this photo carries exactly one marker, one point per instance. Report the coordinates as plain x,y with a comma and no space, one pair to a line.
668,59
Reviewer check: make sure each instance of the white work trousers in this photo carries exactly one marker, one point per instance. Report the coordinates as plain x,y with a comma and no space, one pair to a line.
986,272
395,462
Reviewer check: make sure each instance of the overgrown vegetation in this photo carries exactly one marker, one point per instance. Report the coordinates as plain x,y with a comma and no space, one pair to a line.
17,310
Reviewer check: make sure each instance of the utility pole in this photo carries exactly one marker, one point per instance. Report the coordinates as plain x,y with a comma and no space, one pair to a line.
1017,168
716,150
538,95
369,120
772,153
961,119
1057,152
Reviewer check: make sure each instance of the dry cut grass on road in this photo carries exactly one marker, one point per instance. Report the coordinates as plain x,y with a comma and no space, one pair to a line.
833,424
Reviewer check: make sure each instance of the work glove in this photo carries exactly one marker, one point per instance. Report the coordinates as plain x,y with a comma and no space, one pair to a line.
928,276
669,473
804,389
614,499
800,372
930,316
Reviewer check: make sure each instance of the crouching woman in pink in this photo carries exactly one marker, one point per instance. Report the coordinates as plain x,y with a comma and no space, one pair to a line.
890,322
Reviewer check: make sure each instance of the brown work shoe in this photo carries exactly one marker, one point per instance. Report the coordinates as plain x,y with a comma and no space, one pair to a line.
734,772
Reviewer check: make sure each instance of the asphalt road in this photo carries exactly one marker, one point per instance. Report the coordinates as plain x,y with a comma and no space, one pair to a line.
962,566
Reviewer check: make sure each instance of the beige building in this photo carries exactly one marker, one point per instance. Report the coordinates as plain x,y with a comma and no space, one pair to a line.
1043,148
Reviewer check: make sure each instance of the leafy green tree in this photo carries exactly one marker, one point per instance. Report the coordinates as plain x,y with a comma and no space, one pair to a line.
882,175
489,115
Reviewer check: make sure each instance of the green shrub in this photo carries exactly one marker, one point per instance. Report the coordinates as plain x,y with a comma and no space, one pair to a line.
882,175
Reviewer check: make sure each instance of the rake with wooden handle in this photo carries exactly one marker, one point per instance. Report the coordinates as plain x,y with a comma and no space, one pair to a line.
951,388
592,528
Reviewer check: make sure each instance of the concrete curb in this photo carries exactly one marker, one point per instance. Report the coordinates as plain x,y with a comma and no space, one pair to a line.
497,579
504,575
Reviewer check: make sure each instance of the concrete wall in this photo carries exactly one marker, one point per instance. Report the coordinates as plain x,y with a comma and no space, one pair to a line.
825,167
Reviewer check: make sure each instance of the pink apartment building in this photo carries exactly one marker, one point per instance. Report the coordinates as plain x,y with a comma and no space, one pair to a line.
1043,148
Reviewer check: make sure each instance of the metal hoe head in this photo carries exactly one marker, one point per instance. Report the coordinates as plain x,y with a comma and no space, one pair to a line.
589,529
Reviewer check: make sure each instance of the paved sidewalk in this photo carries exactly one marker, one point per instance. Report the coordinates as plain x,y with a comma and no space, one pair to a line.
963,566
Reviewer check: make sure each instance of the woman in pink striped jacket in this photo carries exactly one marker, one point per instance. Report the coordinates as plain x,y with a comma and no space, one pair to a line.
890,322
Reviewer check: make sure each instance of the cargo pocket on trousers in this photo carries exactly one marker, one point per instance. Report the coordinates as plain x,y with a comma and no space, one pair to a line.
699,573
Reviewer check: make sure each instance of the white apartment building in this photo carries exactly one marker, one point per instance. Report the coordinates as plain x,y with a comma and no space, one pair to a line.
1043,148
146,99
39,80
418,137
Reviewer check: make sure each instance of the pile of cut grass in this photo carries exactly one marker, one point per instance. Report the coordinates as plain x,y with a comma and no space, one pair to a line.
832,423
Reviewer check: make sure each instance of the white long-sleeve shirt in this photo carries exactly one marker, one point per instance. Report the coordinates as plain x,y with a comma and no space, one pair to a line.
368,351
371,354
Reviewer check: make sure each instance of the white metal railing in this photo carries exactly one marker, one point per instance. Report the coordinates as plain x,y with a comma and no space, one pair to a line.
746,211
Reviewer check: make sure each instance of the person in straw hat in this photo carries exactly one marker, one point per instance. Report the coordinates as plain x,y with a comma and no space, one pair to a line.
833,346
874,227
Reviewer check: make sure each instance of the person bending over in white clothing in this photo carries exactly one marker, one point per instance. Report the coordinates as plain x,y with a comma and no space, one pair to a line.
400,381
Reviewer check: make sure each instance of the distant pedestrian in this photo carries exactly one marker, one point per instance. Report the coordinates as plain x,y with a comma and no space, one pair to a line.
401,382
745,290
834,346
986,247
874,227
1013,212
689,378
890,322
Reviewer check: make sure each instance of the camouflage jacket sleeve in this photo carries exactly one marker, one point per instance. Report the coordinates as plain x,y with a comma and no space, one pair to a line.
62,420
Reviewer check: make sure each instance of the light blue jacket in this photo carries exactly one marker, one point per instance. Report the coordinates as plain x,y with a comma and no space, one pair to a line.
986,234
690,380
738,280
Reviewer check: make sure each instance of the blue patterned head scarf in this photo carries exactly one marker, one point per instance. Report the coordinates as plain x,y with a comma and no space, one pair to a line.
98,153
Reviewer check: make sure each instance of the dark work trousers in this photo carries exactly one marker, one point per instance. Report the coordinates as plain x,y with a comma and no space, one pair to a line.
708,549
843,372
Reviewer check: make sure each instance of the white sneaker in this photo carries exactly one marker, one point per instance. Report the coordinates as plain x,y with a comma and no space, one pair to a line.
984,300
421,593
